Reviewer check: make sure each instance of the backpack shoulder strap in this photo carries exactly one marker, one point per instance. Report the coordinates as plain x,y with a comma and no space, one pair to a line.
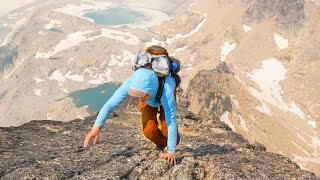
161,81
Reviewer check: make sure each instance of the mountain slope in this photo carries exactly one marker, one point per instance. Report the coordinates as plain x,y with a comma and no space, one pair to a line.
218,94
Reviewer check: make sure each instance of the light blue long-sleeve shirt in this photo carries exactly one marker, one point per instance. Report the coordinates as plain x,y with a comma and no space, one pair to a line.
146,81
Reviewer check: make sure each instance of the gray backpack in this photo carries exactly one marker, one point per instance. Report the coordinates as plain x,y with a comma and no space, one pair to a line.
160,64
156,58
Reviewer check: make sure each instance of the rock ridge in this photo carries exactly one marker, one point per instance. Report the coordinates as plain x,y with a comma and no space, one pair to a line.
52,149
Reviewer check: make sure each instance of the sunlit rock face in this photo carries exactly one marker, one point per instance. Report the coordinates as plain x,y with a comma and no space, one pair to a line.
52,149
287,14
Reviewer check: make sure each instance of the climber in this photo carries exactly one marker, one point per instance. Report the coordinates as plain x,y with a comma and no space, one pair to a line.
145,84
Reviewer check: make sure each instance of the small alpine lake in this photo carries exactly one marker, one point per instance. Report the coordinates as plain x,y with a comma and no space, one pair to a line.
94,98
115,16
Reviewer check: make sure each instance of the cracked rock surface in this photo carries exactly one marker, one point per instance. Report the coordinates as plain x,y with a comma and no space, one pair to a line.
53,150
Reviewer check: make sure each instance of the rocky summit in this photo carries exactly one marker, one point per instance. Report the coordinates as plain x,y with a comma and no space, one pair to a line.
53,150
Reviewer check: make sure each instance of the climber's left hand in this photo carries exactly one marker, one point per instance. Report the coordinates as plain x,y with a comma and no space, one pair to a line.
170,158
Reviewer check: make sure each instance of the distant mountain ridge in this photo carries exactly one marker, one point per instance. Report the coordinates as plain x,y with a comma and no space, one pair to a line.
288,14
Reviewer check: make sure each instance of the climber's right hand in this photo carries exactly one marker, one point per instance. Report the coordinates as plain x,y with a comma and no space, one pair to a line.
93,134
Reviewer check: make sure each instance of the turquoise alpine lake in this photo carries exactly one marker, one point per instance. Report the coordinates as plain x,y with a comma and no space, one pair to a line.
115,16
94,98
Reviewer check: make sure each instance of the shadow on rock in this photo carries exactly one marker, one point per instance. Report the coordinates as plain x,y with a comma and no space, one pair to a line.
209,149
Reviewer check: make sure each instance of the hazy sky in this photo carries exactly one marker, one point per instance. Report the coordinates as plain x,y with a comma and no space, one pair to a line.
9,5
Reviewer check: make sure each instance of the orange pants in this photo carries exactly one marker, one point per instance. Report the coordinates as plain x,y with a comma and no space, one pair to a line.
150,124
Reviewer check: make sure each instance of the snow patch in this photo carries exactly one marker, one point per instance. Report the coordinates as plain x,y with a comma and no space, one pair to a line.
254,119
281,42
101,78
243,123
226,48
73,39
37,92
48,116
4,24
296,110
113,61
56,75
234,101
195,30
268,78
315,141
124,37
177,36
103,63
71,59
154,42
246,28
53,23
64,90
41,33
88,71
224,118
74,77
80,117
263,108
15,28
127,57
193,56
13,16
312,123
181,49
240,80
38,80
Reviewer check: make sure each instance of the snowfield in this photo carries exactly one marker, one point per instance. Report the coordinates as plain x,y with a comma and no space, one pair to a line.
246,28
269,78
74,39
224,118
226,48
281,42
